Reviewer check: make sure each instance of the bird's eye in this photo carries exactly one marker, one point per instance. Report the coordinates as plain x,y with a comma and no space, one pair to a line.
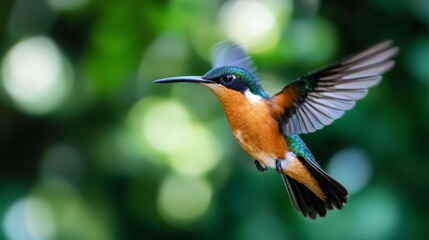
227,78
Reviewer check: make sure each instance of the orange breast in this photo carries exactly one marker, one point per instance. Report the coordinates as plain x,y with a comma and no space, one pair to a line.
253,124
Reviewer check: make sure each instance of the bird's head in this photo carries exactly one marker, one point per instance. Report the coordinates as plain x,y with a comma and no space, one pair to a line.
233,78
225,82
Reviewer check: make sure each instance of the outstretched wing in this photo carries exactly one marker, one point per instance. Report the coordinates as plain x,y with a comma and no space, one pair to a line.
229,54
318,98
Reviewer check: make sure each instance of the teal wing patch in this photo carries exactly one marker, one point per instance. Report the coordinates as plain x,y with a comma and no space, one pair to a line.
297,146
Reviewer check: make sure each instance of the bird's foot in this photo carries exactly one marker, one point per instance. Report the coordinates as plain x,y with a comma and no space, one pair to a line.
279,168
260,167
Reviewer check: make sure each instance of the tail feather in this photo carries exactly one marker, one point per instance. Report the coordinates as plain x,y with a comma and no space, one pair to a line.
305,201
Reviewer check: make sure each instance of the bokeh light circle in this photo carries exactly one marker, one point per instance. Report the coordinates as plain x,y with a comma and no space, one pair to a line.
165,127
29,218
35,75
183,200
253,23
352,168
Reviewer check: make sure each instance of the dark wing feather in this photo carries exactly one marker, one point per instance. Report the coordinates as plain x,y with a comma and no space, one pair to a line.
318,98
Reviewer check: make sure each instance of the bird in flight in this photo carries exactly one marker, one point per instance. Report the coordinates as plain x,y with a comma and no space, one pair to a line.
268,127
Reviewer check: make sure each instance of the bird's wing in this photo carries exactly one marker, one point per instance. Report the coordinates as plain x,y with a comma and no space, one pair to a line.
229,54
318,98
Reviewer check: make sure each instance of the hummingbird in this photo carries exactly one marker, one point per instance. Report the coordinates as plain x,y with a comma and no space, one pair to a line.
268,127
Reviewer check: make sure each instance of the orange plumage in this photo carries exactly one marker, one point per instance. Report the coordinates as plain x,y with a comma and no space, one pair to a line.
256,129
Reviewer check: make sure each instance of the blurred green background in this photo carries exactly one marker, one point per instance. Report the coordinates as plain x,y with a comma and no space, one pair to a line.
91,149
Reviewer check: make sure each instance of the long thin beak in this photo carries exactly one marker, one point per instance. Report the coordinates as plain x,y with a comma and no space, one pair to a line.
192,79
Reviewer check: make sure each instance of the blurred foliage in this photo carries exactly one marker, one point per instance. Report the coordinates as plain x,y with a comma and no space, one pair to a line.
91,149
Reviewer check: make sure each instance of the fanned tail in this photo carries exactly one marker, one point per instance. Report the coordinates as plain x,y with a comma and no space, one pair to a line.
305,201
